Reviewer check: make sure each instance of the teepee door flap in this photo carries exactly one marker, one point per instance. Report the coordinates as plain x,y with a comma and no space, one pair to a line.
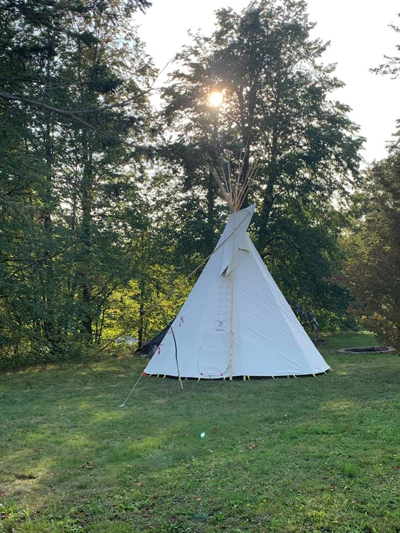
213,361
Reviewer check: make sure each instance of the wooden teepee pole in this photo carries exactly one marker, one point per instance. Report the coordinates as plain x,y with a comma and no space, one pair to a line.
231,329
233,189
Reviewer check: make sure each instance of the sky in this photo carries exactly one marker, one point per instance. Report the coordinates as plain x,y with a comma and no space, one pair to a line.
359,34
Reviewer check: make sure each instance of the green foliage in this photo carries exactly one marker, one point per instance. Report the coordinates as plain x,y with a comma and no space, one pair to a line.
95,229
283,455
350,470
127,307
373,251
278,111
373,247
72,213
391,67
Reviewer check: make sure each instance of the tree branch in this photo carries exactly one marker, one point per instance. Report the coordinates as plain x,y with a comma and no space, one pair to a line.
58,111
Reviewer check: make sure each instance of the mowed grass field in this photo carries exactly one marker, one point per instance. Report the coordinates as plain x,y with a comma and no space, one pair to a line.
283,455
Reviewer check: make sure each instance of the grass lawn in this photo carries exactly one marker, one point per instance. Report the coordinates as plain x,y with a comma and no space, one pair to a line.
284,455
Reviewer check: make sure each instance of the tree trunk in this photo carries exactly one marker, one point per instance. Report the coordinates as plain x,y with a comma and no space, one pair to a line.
87,202
246,126
269,194
142,289
47,269
209,236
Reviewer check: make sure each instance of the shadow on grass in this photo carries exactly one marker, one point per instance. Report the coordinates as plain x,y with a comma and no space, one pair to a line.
71,452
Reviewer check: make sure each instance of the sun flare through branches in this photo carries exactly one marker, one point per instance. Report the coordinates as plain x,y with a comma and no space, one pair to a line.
215,98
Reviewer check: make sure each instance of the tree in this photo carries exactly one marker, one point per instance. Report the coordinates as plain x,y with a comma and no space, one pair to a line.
278,111
373,247
391,66
373,252
57,19
70,201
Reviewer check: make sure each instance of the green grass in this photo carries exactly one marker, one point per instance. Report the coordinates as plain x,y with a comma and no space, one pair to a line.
285,455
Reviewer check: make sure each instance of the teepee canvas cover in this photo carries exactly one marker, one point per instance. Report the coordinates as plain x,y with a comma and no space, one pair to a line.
236,321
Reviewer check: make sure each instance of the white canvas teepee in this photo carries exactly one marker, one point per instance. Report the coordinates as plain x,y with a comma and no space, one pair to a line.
236,322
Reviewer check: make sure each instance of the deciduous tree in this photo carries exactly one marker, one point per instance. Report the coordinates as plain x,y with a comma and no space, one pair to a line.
278,110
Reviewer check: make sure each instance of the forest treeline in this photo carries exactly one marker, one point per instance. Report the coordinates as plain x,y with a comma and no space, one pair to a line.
107,202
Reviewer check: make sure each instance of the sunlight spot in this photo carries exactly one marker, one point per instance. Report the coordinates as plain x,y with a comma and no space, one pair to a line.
338,405
215,99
